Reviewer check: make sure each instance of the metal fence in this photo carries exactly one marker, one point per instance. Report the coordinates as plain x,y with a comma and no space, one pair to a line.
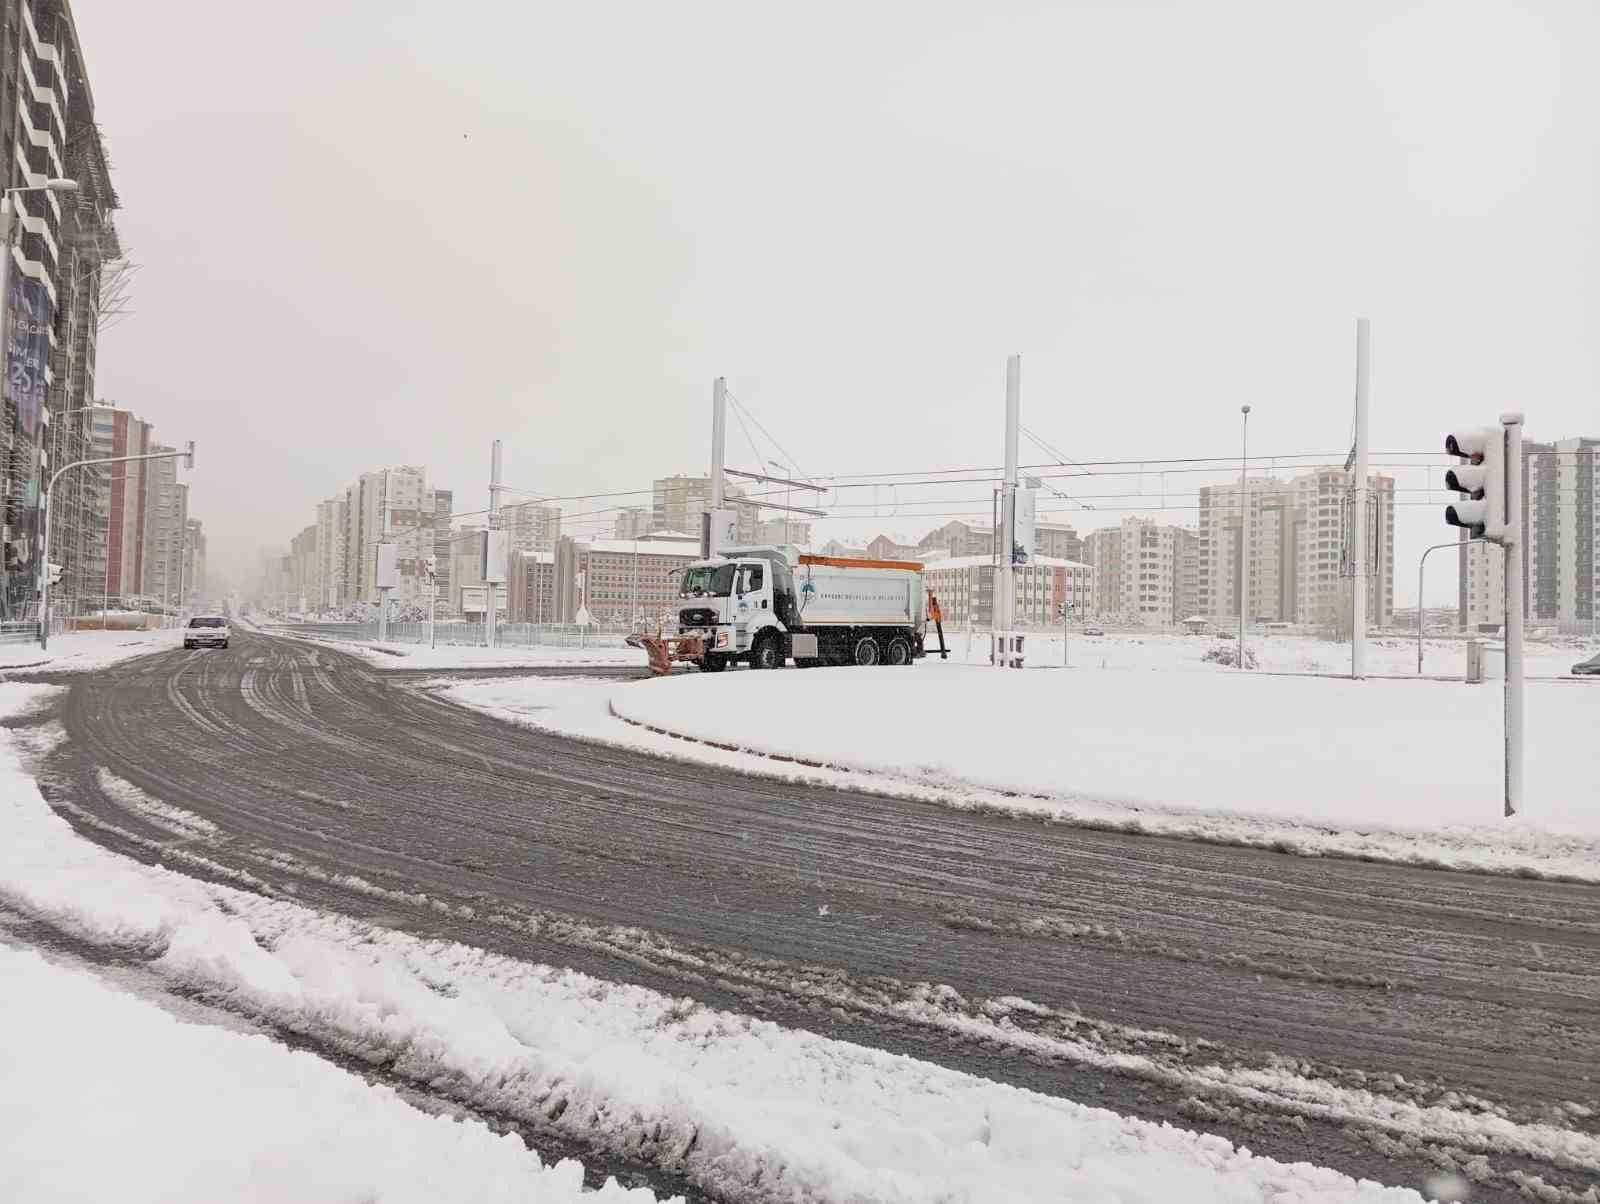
471,635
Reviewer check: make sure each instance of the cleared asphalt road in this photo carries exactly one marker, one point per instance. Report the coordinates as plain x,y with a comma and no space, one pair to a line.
825,909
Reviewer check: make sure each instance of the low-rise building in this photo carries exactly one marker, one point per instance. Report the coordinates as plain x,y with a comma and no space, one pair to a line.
965,589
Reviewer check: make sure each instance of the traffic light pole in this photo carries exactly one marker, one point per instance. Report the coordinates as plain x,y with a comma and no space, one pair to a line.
1512,542
1421,564
44,516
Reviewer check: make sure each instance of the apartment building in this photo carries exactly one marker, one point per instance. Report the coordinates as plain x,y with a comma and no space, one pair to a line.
392,505
634,582
166,519
64,248
957,540
304,560
632,522
891,547
1102,551
444,501
122,503
327,580
677,503
531,588
1060,540
778,531
531,526
964,586
195,584
1561,543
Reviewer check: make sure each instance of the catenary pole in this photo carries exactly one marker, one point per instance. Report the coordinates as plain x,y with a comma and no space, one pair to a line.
1360,514
1244,526
1005,580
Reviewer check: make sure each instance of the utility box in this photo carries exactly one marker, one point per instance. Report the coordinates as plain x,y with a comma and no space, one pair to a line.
494,557
388,568
1474,662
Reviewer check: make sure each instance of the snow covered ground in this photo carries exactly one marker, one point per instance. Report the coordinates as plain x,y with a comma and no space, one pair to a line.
83,650
1311,765
740,1106
420,656
109,1097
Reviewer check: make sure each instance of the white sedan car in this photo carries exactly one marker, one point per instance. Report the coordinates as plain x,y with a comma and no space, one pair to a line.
206,631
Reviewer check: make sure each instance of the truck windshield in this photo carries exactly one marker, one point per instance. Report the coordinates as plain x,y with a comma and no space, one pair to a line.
714,581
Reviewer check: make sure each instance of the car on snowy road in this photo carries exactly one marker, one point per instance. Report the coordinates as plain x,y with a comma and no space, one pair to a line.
206,631
1588,668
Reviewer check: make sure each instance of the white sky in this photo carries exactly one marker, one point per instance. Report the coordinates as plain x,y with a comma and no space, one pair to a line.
376,233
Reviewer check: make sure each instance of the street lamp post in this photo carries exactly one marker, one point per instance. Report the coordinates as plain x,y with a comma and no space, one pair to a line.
44,550
1244,526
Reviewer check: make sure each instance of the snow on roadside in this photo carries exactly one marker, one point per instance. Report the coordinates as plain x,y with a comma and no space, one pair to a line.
420,656
741,1106
80,651
1309,766
170,1110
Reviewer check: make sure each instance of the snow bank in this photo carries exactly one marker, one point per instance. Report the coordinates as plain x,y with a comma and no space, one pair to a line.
740,1106
83,650
420,656
108,1097
1310,765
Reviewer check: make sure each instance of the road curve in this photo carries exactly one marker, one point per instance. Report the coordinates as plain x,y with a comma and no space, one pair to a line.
825,909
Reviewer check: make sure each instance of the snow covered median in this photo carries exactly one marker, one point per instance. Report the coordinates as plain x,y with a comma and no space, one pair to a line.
80,651
1404,771
741,1107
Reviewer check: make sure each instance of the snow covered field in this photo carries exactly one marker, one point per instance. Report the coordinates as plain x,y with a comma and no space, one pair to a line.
83,650
109,1097
740,1106
420,656
1306,764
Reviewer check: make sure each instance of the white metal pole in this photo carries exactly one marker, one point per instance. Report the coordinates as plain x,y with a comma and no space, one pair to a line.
1359,515
1244,526
489,615
719,440
433,607
1005,579
1513,549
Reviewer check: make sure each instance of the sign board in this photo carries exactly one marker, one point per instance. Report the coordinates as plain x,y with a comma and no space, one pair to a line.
27,349
387,575
475,599
1025,527
493,564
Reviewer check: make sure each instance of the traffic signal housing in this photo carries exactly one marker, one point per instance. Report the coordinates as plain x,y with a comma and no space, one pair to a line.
1482,478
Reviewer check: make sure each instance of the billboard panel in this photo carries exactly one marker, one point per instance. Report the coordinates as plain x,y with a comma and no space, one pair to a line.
27,350
494,556
387,575
1024,529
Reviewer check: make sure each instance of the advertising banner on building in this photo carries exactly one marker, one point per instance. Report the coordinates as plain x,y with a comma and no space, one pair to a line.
27,350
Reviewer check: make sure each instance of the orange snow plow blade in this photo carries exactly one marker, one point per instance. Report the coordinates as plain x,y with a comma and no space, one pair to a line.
664,649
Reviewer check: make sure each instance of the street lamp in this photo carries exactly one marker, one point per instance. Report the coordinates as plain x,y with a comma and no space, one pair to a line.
1244,526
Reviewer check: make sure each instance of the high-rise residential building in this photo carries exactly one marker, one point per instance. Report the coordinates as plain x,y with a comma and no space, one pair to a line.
123,501
166,519
678,502
531,588
1158,574
1323,572
444,501
304,565
194,574
531,526
328,580
1561,508
1560,543
1102,550
632,522
392,505
777,531
1300,548
63,280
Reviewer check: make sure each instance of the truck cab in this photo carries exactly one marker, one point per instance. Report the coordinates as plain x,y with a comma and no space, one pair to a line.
741,605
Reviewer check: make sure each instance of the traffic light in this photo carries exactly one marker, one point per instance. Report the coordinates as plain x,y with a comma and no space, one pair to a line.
1482,479
188,454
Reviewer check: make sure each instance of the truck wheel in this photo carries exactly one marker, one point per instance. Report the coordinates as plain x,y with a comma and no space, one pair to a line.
866,652
898,652
767,654
713,662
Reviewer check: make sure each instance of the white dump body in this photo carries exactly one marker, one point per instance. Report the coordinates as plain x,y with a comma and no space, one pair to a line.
832,596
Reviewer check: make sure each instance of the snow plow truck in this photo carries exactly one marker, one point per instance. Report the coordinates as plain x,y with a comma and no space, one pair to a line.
766,606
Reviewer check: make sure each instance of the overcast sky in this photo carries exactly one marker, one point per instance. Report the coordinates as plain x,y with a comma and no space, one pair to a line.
378,233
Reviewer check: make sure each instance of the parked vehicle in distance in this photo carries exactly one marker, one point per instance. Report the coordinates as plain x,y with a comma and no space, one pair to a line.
206,631
1588,668
1094,631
